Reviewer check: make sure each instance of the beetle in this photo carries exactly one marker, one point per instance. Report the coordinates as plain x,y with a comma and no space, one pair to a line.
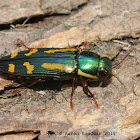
57,64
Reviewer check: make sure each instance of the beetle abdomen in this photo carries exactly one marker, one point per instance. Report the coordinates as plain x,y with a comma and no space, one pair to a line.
40,62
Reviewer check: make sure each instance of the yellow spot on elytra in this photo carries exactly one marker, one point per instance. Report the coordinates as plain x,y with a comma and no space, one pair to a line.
11,68
66,68
31,52
87,75
14,55
61,50
29,67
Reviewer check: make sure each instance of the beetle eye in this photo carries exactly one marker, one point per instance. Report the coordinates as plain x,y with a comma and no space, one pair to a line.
103,73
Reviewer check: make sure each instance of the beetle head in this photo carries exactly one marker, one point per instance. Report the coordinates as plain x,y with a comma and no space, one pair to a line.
104,69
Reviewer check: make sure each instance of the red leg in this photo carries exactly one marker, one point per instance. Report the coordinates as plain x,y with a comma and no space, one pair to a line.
73,86
83,47
22,44
85,85
86,45
15,91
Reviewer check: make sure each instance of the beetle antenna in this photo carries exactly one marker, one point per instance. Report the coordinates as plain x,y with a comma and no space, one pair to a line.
123,59
116,55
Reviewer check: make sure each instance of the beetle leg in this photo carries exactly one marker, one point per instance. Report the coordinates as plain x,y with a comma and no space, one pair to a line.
15,91
39,80
85,85
84,47
22,44
73,87
20,88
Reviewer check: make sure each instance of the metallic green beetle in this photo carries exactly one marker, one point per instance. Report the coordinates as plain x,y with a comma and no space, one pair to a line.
60,64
